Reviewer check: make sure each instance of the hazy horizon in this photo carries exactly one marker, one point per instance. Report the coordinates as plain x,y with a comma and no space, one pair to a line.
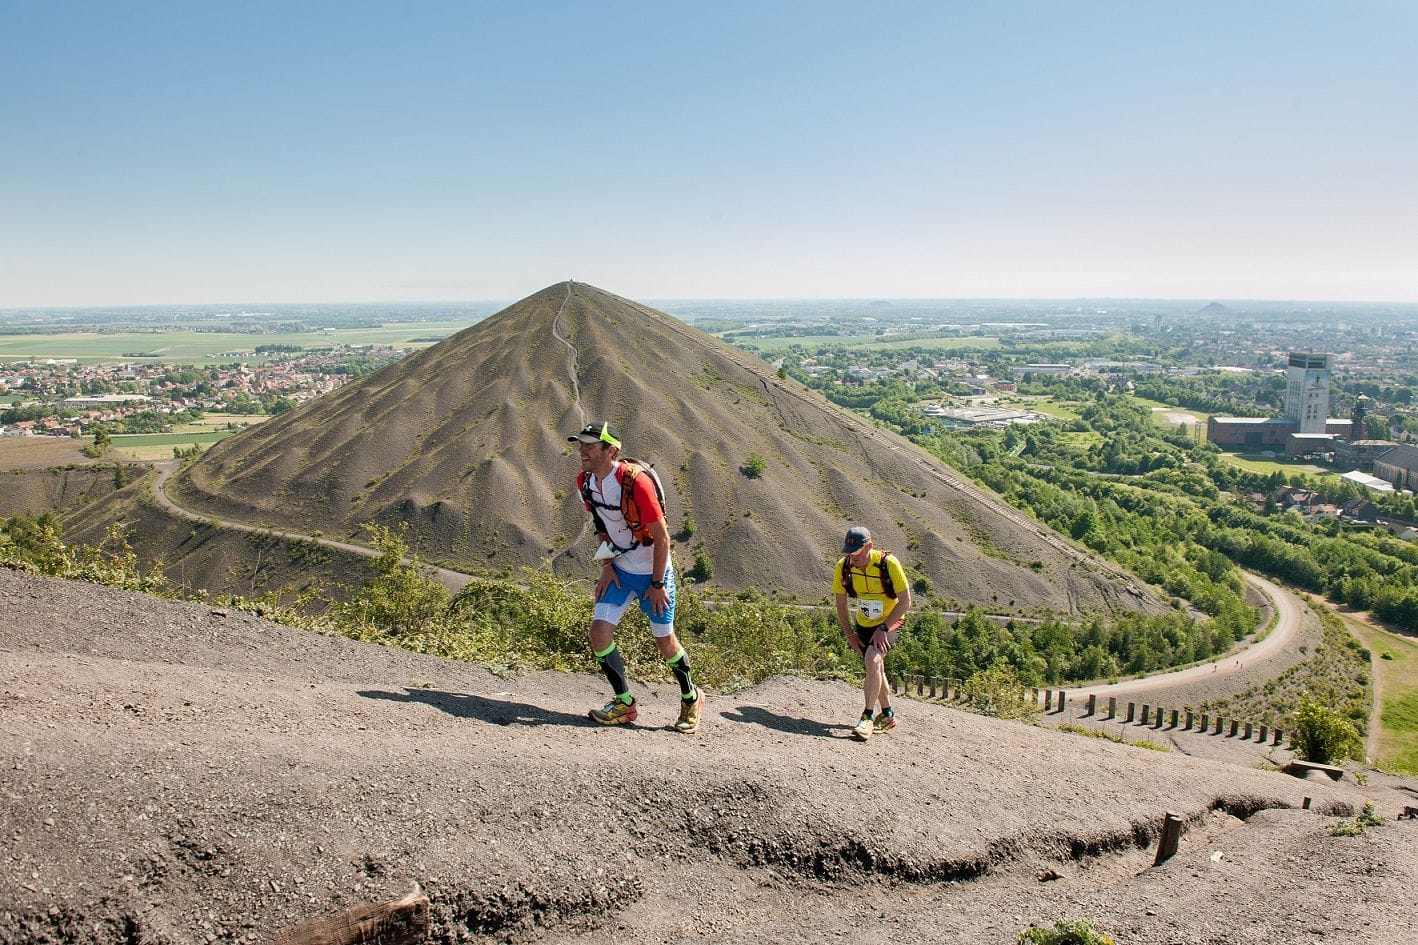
491,306
445,151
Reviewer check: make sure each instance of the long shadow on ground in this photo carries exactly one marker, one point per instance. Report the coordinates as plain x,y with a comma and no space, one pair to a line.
468,706
784,723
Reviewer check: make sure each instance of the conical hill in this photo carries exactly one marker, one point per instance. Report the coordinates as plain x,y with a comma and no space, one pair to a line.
466,443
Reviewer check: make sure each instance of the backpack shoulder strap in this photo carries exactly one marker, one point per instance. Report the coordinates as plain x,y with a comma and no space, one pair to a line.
888,586
845,569
583,483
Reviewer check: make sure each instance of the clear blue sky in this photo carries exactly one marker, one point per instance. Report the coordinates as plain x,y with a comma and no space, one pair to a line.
155,152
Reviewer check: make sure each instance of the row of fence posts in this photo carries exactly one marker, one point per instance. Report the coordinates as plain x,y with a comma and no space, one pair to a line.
1055,701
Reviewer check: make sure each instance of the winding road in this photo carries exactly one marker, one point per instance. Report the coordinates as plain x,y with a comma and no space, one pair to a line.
1287,625
453,580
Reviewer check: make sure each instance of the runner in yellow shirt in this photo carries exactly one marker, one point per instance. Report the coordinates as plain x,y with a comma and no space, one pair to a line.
872,601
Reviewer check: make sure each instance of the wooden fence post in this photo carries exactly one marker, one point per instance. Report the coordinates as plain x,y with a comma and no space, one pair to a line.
1171,836
1092,704
1189,720
1132,711
1112,707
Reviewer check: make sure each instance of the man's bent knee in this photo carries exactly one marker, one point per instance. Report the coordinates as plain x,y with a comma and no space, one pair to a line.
602,632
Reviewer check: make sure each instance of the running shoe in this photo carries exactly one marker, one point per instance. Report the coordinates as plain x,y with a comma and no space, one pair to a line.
689,713
615,713
864,728
885,721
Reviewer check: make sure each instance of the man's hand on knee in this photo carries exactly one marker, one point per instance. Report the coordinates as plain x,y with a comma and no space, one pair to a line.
607,578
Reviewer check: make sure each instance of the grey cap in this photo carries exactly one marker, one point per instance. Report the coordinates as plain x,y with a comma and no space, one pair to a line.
857,537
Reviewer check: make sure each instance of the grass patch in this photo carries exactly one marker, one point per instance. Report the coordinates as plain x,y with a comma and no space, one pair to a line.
150,446
1047,407
1396,744
1082,440
1168,416
1266,465
218,421
1083,730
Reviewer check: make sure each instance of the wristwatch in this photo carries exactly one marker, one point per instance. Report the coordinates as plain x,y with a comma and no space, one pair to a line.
658,585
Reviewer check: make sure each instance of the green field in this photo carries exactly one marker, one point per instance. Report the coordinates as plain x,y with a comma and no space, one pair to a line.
1167,415
869,343
1044,406
150,446
1083,440
1266,465
1398,690
200,347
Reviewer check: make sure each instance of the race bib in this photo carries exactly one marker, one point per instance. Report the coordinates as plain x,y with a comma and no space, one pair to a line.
870,609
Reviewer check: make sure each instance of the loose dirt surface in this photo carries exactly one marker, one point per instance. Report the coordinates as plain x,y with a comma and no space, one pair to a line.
172,772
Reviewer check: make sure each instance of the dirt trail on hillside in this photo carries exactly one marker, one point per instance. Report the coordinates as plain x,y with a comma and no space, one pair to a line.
174,772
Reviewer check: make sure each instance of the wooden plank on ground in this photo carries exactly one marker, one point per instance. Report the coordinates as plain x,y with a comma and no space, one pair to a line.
398,922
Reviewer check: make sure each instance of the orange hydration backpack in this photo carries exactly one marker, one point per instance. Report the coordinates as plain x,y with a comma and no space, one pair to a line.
626,473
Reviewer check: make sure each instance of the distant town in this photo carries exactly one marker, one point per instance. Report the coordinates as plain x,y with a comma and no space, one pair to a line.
65,398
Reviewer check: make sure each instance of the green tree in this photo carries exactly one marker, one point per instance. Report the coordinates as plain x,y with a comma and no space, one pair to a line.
703,568
1324,736
398,600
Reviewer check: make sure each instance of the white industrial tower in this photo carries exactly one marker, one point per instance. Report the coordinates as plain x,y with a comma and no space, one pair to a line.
1307,391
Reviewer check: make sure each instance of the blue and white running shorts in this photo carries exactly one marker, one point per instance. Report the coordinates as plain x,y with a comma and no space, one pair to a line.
616,601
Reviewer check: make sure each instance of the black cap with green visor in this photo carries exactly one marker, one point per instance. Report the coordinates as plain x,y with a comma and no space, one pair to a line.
597,432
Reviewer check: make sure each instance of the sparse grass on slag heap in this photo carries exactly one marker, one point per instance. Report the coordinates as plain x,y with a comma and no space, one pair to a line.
1073,729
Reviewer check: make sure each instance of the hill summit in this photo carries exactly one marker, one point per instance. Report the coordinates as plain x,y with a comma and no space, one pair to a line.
466,443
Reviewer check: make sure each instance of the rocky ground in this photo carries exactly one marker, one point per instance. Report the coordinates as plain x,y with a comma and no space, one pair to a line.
177,773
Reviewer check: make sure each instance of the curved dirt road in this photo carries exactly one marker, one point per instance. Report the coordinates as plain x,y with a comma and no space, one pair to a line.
1287,624
453,580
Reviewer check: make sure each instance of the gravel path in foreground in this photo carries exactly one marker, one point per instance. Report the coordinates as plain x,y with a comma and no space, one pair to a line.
175,773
